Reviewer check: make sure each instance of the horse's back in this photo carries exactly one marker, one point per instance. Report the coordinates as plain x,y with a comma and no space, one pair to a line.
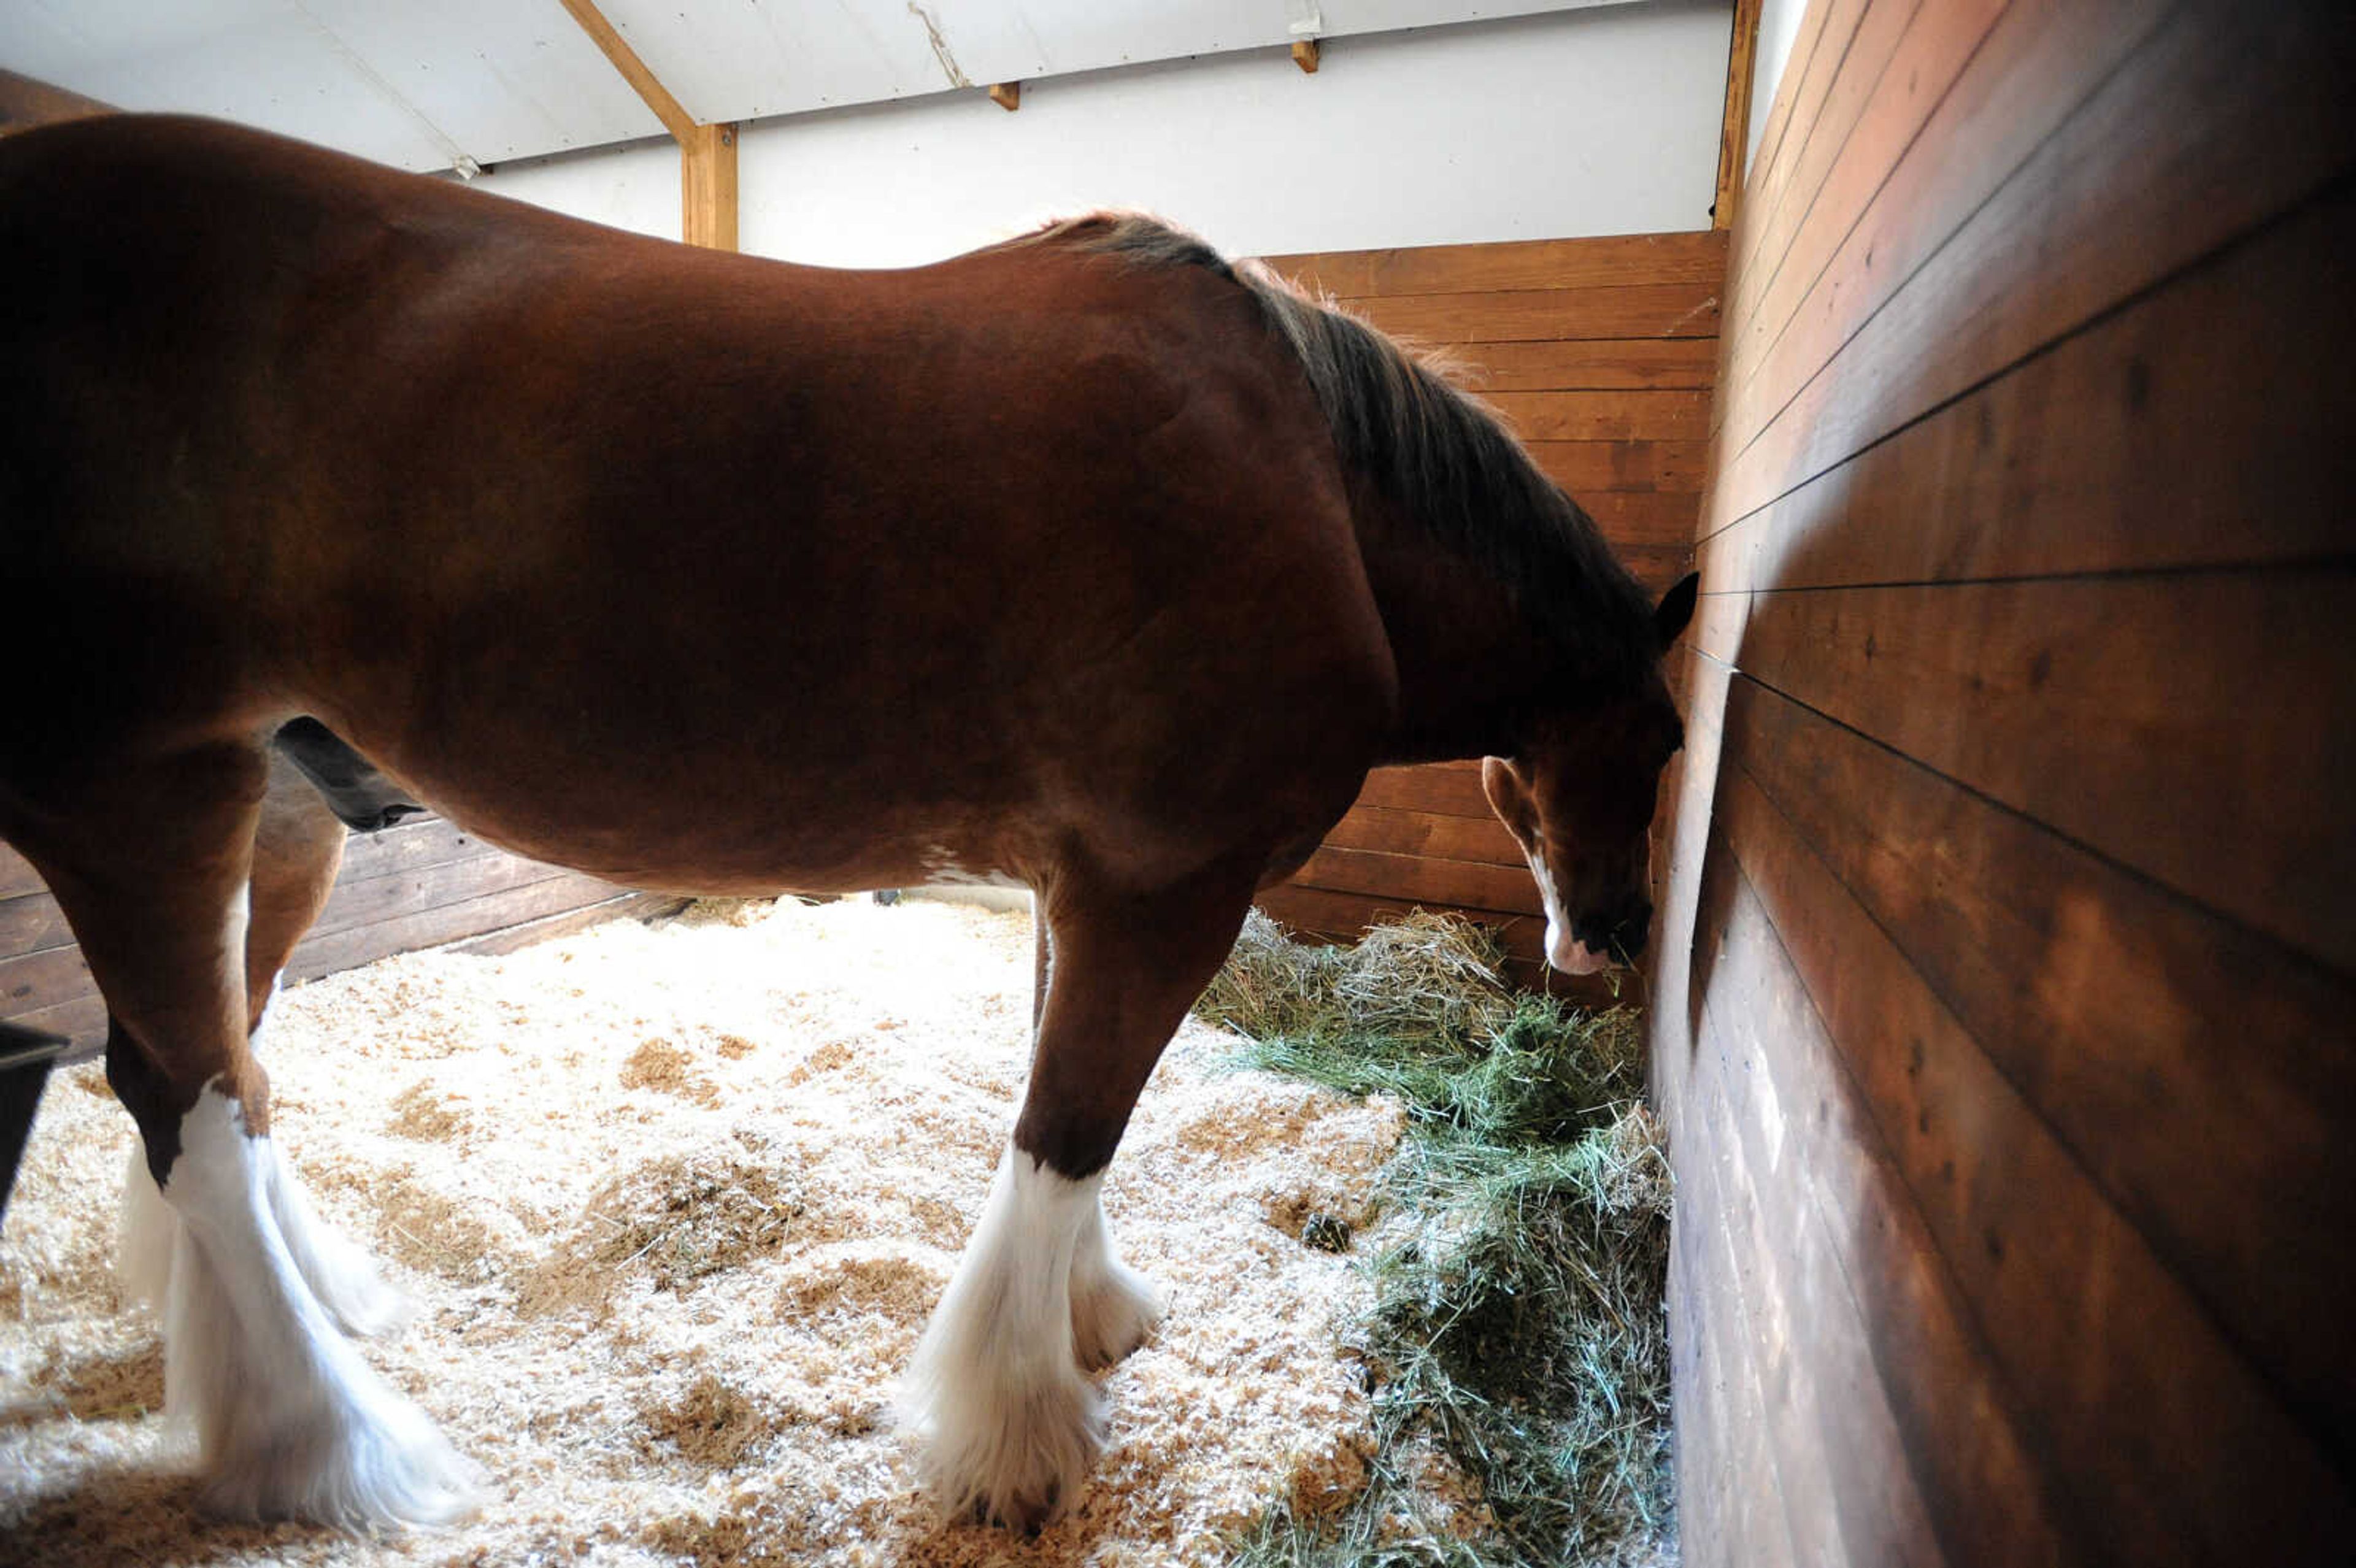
439,468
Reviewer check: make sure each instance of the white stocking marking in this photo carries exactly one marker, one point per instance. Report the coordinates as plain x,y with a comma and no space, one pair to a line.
1007,1425
290,1422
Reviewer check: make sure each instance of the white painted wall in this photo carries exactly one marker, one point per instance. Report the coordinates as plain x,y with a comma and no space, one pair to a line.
1582,123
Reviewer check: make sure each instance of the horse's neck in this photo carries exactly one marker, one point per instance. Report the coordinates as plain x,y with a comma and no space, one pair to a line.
1470,668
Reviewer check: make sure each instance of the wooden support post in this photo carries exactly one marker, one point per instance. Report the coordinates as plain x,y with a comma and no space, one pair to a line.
707,187
706,153
1007,95
1734,134
1304,55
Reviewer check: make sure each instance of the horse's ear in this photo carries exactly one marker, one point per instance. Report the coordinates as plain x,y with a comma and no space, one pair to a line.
1675,610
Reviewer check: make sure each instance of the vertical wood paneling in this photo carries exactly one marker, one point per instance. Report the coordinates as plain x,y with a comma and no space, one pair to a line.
2008,967
1601,355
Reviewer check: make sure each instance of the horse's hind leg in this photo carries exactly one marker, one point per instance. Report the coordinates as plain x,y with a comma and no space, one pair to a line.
297,846
152,868
1007,1422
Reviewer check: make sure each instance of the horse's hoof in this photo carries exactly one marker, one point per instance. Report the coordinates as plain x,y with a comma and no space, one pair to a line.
1014,1454
1028,1516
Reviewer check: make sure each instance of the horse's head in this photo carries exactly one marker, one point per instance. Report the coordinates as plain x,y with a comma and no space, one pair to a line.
1579,797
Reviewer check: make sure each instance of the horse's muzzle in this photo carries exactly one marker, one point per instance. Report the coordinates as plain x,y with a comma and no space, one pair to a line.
1599,941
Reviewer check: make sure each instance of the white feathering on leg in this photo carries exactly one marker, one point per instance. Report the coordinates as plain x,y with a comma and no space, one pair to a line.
1114,1308
290,1422
1007,1425
145,1238
339,1272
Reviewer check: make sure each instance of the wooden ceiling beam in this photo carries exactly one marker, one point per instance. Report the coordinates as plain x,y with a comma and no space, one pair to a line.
706,153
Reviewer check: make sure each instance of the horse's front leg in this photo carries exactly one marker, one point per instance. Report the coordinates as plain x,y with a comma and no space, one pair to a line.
998,1396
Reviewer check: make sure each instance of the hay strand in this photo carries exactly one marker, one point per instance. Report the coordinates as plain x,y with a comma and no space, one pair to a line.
1518,1334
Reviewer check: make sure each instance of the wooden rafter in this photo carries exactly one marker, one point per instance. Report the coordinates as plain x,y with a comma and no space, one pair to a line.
616,48
707,181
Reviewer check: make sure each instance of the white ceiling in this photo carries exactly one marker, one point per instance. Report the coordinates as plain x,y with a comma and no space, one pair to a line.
426,84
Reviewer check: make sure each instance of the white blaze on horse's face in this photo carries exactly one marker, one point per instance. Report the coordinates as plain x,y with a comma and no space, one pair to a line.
1511,799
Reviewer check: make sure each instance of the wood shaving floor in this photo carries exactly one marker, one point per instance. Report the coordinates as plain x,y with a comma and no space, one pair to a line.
673,1203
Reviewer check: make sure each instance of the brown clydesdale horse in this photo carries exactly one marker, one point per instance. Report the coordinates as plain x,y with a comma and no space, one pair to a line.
1089,560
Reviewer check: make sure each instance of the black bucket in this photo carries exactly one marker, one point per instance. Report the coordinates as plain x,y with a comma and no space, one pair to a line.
25,1056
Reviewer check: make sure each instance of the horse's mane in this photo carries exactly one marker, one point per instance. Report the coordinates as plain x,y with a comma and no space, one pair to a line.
1429,448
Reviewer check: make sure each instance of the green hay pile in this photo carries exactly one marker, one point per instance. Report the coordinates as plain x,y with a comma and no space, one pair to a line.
1519,1326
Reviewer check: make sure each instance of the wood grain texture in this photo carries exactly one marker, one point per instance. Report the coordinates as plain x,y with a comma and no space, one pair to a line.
1957,1440
16,875
1635,310
1590,364
2127,713
2098,998
1589,469
2079,1307
424,883
2007,964
1481,839
1734,128
1619,259
1823,36
2224,115
708,186
1872,37
2157,439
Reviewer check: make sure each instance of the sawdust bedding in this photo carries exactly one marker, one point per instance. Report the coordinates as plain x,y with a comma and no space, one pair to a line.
673,1203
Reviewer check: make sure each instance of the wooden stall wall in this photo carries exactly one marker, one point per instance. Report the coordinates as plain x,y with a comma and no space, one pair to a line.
420,884
1600,354
2005,1022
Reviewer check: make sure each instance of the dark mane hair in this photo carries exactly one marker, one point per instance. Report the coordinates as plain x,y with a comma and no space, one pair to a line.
1431,449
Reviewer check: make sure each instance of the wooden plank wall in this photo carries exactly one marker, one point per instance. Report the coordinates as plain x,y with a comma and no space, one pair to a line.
421,884
1601,355
2006,1017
